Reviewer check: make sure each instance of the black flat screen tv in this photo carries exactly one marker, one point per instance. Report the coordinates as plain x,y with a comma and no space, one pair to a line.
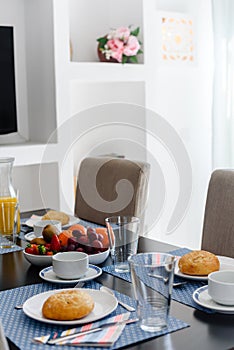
8,112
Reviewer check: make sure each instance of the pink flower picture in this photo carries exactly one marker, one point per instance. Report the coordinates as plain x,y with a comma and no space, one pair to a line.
121,45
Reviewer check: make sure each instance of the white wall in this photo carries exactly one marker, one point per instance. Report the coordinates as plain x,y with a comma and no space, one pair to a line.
182,94
110,108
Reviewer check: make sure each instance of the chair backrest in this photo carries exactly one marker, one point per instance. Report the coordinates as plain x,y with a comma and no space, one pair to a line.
3,340
111,186
218,226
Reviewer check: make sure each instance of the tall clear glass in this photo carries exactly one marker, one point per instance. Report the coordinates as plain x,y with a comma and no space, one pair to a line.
123,233
152,277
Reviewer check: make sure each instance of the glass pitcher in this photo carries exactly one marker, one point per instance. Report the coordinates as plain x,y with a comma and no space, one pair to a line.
7,191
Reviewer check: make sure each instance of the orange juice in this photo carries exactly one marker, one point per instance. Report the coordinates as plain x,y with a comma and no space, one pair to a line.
7,215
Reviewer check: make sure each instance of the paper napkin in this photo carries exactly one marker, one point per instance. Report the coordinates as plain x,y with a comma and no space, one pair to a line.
106,337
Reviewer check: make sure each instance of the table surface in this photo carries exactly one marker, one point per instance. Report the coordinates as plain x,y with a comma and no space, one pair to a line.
206,331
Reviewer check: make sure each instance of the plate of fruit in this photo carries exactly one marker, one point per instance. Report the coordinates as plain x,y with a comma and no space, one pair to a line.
93,241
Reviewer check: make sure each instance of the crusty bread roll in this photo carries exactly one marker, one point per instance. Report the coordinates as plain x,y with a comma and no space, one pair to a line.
68,305
57,215
198,262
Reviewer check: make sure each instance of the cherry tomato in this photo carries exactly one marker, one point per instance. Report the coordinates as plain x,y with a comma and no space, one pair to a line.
49,253
32,249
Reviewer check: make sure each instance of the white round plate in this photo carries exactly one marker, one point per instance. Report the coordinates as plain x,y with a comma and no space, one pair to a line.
201,297
48,274
72,221
225,264
104,305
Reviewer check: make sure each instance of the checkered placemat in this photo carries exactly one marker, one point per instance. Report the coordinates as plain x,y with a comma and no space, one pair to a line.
182,294
21,329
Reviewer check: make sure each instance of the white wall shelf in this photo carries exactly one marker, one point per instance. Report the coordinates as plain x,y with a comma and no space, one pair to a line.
101,71
26,153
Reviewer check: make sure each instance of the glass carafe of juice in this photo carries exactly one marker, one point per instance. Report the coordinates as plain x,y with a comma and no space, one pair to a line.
7,192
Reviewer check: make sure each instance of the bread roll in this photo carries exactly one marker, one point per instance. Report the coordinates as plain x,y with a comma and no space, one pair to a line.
198,262
68,305
57,215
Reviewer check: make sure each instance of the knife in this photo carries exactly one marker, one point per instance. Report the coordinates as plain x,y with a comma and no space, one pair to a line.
97,329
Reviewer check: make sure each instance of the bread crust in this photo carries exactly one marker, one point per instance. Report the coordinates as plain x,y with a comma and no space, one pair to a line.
199,262
68,305
57,215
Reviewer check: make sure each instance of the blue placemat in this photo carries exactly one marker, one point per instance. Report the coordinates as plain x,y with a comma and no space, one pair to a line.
10,250
182,294
20,329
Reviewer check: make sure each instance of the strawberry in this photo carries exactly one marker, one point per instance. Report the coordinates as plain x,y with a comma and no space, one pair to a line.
55,245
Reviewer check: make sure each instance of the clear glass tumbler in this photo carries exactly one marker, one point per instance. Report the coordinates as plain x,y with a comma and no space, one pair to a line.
123,233
152,277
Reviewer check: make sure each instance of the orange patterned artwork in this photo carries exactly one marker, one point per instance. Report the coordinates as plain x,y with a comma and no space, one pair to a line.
177,39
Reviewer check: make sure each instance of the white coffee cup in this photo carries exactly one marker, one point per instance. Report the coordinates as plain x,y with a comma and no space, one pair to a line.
39,226
70,265
221,286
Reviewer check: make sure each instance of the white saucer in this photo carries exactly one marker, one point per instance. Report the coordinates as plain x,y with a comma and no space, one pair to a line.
201,297
48,275
225,264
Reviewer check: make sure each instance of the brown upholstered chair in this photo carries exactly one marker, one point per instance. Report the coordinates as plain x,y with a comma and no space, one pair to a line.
111,186
218,227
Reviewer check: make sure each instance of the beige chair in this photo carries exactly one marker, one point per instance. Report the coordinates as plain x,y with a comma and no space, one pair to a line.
3,340
111,186
218,227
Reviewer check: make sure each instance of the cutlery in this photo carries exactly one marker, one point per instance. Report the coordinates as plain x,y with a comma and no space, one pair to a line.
97,329
175,284
18,307
78,285
126,306
178,284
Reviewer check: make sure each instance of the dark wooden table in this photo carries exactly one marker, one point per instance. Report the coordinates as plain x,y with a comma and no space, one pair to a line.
206,331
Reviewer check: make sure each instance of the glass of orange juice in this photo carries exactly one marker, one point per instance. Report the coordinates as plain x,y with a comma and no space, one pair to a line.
8,222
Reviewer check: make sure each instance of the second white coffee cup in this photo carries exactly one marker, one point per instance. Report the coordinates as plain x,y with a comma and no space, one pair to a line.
70,265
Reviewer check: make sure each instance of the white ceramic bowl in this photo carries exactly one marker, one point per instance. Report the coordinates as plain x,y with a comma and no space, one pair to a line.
39,226
221,287
38,260
99,258
70,265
